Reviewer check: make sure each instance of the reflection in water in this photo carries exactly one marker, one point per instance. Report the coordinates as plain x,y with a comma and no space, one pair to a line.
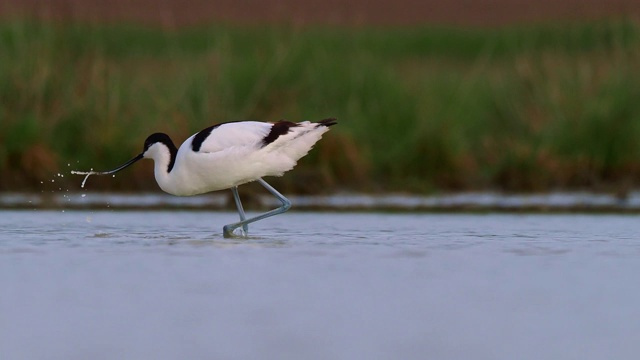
220,201
102,235
249,242
537,251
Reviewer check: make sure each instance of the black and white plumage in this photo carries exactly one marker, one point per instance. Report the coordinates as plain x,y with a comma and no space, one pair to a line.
227,155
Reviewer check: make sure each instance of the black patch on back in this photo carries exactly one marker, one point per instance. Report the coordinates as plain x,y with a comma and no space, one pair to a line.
280,128
201,136
166,140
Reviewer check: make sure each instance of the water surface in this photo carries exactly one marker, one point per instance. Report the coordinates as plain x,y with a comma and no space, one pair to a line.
166,285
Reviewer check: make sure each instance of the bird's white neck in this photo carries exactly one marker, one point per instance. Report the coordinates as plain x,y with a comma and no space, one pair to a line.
164,159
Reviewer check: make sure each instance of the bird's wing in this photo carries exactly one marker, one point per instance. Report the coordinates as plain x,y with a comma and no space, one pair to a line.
227,135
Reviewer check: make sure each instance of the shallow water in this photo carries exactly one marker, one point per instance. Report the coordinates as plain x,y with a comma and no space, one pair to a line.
166,285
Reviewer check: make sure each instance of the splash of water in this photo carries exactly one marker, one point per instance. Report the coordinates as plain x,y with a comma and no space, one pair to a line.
86,173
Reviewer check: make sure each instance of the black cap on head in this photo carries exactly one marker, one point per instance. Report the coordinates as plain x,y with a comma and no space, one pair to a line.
158,138
163,139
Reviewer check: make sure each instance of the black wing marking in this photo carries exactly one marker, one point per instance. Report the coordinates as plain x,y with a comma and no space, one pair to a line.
280,128
201,136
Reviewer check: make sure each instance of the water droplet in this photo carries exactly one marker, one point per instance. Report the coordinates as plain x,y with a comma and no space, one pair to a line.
83,195
85,179
53,180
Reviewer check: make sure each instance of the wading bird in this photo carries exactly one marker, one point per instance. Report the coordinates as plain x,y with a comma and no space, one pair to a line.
227,155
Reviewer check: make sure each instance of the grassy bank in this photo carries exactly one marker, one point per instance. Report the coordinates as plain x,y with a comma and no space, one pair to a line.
419,109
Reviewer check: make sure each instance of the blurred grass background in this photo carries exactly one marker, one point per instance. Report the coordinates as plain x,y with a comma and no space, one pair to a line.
421,109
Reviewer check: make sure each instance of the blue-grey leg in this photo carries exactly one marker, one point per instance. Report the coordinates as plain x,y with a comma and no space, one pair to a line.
286,205
243,217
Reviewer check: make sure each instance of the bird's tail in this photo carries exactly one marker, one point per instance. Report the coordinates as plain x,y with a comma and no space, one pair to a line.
300,139
327,122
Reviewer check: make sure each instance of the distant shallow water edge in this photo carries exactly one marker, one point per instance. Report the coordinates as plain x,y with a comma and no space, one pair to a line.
478,201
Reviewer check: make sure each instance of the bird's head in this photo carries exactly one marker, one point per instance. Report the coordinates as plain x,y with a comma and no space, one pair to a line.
157,145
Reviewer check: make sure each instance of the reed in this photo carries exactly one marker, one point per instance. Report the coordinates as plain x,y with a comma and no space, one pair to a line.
420,110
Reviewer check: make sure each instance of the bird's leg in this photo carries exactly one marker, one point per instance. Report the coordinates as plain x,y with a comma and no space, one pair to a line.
243,217
286,205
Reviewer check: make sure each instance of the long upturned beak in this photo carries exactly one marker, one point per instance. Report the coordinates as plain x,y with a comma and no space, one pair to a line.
88,173
127,164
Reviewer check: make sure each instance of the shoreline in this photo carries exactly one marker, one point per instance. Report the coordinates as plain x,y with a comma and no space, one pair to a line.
455,202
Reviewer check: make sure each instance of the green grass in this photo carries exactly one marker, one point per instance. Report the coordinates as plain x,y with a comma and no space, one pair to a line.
423,109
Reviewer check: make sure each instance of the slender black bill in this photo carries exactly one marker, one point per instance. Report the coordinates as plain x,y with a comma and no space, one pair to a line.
127,164
89,173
